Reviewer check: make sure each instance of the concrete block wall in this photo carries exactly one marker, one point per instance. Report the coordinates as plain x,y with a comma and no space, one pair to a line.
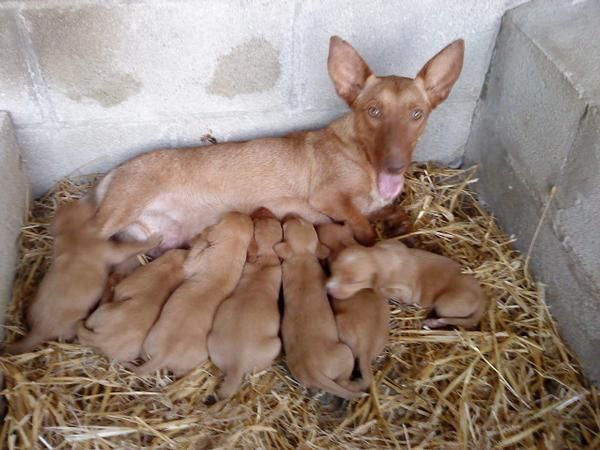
14,199
91,83
537,125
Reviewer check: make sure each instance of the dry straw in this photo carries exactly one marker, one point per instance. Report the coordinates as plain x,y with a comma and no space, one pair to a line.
511,384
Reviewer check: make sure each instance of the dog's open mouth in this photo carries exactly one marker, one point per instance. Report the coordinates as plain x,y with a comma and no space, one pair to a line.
390,185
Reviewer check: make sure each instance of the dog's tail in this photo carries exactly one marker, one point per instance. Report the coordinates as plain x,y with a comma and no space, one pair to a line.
366,372
84,334
150,366
346,389
231,383
27,344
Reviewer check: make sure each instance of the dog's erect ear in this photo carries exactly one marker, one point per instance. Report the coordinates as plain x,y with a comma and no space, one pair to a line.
283,250
441,72
347,69
322,251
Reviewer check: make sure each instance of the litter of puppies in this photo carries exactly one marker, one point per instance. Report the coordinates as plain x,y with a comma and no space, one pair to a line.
512,384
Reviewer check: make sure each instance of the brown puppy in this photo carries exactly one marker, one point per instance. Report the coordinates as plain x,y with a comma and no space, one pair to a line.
345,171
314,353
118,327
212,270
245,331
363,318
76,278
412,276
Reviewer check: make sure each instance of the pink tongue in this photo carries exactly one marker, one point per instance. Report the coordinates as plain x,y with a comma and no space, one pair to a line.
389,185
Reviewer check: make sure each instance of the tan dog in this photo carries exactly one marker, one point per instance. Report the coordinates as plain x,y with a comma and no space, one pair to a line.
76,278
348,170
118,327
363,318
245,331
213,268
412,276
314,353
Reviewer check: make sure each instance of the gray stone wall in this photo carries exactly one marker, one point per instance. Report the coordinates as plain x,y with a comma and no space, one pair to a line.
14,199
537,126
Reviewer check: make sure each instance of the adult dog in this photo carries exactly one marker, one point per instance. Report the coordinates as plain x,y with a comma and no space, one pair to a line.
343,172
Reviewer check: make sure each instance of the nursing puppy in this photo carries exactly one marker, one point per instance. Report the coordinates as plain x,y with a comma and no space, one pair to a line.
76,278
212,269
245,331
363,318
412,276
314,353
118,327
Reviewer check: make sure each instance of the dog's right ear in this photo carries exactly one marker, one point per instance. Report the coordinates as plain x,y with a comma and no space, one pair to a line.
347,69
283,250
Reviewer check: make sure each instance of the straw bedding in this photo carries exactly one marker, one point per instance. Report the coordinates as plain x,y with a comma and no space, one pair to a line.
511,384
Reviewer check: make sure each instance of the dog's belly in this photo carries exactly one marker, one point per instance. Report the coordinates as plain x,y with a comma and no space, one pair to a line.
178,222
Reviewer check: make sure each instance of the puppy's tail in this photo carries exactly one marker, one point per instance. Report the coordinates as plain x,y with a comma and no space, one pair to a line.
149,366
366,372
346,389
27,344
231,383
84,334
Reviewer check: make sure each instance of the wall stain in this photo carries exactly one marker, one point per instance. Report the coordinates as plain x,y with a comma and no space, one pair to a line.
248,68
76,48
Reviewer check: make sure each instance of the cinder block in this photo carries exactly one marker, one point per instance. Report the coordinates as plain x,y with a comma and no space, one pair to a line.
159,59
539,108
16,87
537,125
14,196
578,197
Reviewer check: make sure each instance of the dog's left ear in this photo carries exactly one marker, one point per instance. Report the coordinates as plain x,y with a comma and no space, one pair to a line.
347,69
441,72
322,251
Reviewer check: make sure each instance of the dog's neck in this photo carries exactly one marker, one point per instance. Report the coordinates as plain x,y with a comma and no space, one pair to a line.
345,132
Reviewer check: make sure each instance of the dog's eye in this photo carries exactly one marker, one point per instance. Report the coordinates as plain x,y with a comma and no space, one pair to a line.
416,114
375,112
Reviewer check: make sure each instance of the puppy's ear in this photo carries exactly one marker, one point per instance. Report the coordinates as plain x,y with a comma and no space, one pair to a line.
283,250
322,251
347,69
252,251
441,72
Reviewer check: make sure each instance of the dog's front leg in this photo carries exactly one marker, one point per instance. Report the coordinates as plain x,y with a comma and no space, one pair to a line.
394,219
343,209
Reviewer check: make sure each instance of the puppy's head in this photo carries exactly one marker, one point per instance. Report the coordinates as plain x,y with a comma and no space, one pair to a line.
267,233
71,217
352,271
300,237
335,237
